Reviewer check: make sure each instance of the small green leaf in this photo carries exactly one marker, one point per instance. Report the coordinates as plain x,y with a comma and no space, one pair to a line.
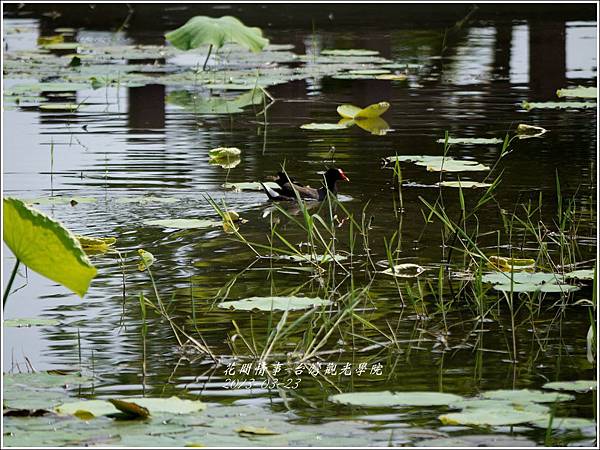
527,395
260,431
45,246
249,186
463,184
348,111
406,270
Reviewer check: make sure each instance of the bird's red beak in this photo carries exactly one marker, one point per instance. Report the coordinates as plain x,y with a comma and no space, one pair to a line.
343,175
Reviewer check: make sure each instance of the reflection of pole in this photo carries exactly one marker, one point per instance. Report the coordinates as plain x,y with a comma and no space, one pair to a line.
547,58
147,106
502,51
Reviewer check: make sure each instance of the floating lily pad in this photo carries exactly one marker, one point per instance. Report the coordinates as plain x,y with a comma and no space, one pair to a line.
483,416
62,46
578,92
387,398
60,200
440,163
406,270
557,105
95,245
463,184
527,395
576,386
324,126
581,274
480,440
348,111
369,72
274,303
472,141
215,105
40,380
30,322
45,87
97,408
250,186
565,423
184,224
527,282
349,52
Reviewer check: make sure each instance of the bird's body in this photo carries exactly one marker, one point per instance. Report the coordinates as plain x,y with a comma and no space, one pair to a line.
290,190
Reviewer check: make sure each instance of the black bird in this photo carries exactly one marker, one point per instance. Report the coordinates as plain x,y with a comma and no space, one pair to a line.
287,190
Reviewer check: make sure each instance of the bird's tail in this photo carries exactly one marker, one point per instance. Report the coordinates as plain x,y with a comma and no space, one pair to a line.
272,194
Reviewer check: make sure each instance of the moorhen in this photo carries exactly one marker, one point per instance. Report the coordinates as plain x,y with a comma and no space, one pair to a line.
287,190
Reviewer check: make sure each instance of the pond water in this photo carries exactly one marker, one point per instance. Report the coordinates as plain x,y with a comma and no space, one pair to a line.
136,150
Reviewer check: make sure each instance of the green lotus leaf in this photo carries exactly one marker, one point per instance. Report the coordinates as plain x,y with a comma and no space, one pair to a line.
97,408
495,416
201,30
387,398
41,380
249,186
274,303
565,423
440,163
46,246
581,274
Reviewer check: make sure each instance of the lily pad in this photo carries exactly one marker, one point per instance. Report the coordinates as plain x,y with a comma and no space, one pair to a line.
392,76
406,270
97,408
440,163
349,52
60,200
557,105
479,440
463,184
95,245
324,126
348,111
483,416
224,153
387,398
527,282
581,274
472,141
578,92
30,322
259,431
184,224
62,46
45,246
215,105
42,380
565,423
274,303
576,386
45,87
527,395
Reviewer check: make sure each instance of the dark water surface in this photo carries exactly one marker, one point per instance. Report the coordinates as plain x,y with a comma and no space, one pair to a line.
130,142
